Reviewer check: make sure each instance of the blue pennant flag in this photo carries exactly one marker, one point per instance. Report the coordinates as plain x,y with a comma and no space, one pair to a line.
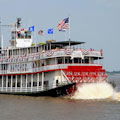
31,28
50,31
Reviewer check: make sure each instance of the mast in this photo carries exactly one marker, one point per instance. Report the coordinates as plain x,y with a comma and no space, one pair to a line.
69,32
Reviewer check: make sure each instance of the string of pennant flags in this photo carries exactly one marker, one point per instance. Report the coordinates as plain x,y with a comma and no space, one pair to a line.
62,26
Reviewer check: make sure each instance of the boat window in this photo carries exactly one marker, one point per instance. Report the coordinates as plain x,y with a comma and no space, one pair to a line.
29,84
76,60
46,83
68,60
23,34
18,84
34,65
27,34
40,83
13,84
42,63
48,62
59,60
57,82
86,60
4,66
20,34
34,83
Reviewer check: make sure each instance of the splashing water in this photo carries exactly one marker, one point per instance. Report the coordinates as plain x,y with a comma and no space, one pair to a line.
102,90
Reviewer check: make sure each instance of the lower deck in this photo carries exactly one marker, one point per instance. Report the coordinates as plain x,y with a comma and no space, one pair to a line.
32,82
46,80
62,90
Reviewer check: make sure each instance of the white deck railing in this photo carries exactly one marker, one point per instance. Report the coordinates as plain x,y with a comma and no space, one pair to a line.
49,54
23,89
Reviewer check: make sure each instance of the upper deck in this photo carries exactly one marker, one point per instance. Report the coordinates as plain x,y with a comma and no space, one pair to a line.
46,56
48,50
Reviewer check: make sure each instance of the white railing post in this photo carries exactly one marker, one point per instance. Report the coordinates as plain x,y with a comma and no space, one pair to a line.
6,83
31,82
2,83
16,83
20,83
38,79
26,82
61,75
42,85
11,83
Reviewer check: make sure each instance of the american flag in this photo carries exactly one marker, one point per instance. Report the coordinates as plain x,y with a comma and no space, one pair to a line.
63,25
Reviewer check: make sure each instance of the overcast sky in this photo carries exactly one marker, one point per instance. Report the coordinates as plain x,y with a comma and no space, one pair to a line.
96,22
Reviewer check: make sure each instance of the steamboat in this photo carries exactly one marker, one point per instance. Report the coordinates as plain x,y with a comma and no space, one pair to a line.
53,68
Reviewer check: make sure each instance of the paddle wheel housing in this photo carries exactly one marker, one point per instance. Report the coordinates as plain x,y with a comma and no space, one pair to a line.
86,74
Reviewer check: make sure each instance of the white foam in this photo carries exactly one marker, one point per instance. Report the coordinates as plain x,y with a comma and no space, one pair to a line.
116,96
95,91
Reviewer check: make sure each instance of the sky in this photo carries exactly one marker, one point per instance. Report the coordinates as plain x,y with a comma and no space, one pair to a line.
96,22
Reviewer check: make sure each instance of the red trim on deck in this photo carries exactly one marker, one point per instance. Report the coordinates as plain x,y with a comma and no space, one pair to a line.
69,69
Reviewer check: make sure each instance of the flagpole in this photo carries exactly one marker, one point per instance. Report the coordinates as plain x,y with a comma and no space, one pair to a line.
53,37
66,36
69,32
1,37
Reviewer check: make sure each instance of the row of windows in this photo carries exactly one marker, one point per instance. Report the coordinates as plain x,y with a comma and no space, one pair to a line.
59,61
21,35
69,60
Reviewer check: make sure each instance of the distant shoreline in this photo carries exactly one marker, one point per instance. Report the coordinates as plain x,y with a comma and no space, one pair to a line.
113,72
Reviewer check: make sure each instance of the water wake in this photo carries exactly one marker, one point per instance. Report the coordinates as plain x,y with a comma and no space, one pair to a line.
102,90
